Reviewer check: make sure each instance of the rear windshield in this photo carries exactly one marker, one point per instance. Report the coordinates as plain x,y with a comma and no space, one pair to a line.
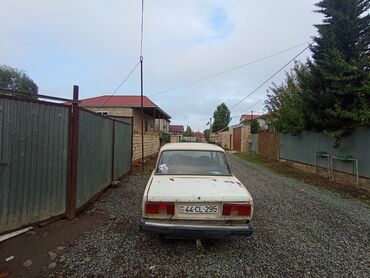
193,163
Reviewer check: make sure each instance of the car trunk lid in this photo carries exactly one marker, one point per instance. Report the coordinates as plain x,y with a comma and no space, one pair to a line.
197,189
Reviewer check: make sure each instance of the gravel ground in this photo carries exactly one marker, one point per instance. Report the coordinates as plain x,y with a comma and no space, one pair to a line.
301,231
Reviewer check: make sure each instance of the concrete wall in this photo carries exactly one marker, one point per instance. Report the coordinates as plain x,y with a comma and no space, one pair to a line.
151,145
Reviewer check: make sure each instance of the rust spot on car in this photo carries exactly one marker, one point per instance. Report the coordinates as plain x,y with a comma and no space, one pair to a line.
172,179
230,182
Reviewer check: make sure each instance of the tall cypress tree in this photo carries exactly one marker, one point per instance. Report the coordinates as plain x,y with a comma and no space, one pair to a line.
221,117
337,92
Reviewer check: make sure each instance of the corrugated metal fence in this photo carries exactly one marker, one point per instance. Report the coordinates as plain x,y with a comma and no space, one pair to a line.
35,158
254,146
33,153
303,148
104,153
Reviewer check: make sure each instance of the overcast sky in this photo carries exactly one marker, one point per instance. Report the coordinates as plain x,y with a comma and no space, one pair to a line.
94,44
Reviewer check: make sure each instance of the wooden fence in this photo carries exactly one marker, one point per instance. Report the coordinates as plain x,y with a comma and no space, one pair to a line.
269,145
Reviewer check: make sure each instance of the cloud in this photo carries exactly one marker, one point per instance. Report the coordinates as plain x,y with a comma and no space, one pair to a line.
96,43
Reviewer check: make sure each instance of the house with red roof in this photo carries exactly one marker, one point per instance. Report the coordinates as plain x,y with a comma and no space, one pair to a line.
177,133
155,119
200,136
249,117
176,129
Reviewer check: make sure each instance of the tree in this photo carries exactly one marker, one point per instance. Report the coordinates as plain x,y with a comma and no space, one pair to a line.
206,134
165,138
255,126
221,117
17,80
188,132
285,101
336,94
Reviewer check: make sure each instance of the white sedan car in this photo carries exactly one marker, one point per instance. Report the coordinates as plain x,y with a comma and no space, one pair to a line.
192,193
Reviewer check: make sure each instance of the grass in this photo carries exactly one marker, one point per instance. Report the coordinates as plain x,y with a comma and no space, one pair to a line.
287,170
251,157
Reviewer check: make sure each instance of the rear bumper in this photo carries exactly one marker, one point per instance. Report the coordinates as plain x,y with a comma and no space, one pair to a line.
193,230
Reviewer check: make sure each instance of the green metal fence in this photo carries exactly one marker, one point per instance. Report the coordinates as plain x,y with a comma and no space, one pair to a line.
303,148
122,148
94,164
37,176
254,145
33,157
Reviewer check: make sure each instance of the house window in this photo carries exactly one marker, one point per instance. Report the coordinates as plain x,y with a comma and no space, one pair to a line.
103,113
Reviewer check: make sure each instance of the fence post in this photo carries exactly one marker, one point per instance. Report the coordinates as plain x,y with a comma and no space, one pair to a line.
73,156
278,146
132,142
113,147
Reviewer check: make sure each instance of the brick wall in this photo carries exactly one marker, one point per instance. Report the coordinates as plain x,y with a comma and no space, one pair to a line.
246,139
225,139
137,121
151,145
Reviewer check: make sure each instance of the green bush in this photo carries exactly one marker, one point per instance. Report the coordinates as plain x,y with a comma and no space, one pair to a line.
165,138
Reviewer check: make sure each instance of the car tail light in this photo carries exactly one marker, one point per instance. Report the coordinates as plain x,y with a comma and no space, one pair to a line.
160,208
237,210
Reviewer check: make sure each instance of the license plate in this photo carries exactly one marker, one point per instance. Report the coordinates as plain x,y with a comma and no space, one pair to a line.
198,209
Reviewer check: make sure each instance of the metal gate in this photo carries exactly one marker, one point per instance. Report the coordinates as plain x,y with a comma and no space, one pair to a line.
237,138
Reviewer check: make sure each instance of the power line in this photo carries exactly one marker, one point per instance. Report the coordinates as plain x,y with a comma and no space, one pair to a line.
229,70
247,110
272,76
123,82
264,84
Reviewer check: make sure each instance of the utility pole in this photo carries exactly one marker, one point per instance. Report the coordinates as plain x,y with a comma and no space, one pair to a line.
210,129
142,86
142,112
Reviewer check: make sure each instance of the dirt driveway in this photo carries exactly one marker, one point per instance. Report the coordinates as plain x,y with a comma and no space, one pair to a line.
301,231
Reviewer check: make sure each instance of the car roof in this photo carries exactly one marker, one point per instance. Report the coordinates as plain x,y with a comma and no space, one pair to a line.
192,146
